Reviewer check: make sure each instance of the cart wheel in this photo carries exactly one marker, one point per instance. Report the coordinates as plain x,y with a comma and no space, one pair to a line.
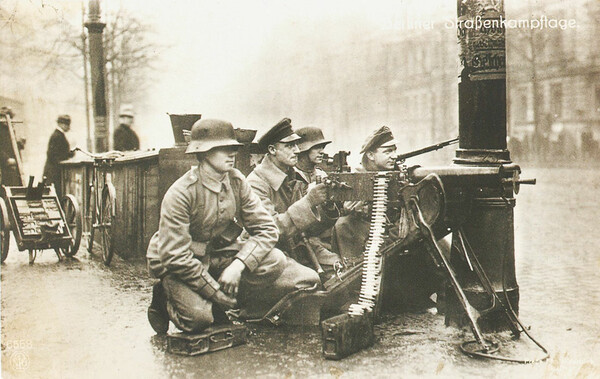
108,218
93,213
4,229
73,219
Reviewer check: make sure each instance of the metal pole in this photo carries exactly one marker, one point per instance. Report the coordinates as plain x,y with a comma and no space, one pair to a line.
489,228
95,28
86,79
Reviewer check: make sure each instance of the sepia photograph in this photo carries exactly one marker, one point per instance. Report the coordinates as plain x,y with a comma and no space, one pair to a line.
299,188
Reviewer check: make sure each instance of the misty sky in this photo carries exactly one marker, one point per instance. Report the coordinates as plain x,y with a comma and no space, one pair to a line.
212,42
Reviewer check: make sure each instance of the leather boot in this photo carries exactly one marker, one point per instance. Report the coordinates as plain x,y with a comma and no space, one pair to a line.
157,311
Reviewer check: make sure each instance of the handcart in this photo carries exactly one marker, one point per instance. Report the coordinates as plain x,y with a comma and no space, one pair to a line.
39,220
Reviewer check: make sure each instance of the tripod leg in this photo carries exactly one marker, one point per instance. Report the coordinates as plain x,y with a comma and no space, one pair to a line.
438,256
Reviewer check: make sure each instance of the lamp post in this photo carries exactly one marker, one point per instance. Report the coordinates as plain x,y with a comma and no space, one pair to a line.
95,28
482,143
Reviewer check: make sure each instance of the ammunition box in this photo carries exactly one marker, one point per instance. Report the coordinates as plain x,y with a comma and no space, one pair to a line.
344,335
212,339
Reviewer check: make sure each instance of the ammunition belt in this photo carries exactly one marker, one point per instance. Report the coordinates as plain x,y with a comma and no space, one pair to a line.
371,275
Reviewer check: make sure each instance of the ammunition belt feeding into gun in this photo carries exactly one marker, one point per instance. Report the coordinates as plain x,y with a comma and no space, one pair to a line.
371,275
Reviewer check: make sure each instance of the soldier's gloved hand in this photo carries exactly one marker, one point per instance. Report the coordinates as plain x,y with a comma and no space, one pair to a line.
223,300
317,195
230,277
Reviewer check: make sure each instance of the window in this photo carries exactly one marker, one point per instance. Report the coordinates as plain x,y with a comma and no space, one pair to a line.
556,99
521,106
597,98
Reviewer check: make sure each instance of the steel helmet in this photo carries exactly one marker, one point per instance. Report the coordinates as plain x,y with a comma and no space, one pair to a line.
210,133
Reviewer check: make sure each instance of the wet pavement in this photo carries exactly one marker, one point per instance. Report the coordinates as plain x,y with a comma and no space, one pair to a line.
78,318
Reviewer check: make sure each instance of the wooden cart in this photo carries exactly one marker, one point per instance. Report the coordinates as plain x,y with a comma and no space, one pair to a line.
39,220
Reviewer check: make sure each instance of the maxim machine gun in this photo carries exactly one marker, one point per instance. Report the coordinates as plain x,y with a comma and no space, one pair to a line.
431,202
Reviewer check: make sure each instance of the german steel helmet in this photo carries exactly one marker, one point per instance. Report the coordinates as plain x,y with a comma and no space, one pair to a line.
210,133
311,137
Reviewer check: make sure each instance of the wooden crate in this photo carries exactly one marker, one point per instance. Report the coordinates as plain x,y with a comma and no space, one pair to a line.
135,177
172,164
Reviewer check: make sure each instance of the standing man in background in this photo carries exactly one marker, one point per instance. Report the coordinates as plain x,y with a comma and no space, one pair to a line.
125,139
58,150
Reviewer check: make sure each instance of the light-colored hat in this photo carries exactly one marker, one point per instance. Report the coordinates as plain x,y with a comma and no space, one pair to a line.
126,111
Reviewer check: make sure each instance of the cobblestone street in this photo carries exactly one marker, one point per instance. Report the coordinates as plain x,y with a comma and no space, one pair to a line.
79,318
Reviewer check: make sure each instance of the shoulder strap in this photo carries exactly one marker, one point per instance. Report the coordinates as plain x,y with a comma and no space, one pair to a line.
235,186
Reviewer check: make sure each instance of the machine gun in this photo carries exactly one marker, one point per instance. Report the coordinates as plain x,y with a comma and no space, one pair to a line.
434,201
403,157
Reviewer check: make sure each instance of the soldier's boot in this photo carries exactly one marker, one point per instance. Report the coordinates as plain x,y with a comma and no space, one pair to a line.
157,311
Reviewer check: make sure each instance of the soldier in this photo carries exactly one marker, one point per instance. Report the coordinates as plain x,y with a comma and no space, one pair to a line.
125,138
351,231
274,180
311,146
202,213
58,150
410,279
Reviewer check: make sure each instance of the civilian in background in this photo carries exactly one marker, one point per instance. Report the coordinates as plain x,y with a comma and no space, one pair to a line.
58,150
125,139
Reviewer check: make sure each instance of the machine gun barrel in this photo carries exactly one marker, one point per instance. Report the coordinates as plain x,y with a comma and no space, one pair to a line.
402,157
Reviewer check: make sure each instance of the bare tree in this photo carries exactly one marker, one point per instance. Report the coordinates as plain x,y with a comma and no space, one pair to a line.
130,55
26,51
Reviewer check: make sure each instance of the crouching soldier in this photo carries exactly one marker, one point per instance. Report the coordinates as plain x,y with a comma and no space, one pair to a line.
311,146
409,279
352,230
204,269
275,182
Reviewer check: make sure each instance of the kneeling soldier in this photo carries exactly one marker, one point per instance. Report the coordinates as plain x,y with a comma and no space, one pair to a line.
202,215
